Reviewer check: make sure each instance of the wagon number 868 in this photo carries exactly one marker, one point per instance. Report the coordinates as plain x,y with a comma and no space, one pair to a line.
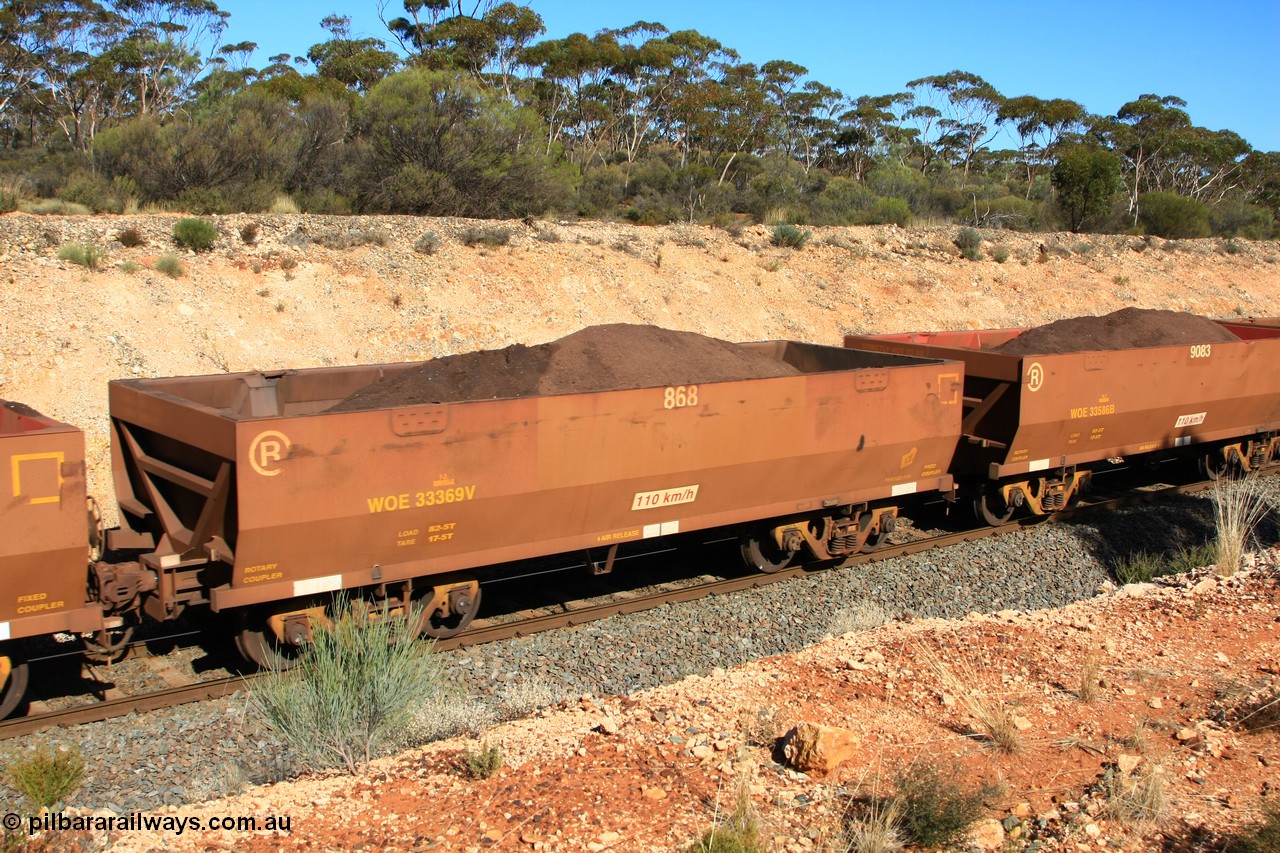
680,396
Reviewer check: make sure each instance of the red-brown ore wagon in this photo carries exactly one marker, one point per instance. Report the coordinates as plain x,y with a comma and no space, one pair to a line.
246,494
1036,425
44,539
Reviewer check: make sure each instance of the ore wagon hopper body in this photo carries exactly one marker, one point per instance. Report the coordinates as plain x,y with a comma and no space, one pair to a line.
1035,425
249,492
44,552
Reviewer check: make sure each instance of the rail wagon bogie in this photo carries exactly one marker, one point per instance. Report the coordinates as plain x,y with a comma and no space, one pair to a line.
1036,427
249,495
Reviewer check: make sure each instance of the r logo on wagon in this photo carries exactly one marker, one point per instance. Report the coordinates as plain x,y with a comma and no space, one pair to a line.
1035,376
267,449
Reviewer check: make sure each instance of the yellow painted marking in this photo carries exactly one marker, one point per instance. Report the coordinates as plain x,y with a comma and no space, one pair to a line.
266,450
56,457
952,381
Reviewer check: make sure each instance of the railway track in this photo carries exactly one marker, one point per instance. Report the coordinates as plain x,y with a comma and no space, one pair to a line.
112,703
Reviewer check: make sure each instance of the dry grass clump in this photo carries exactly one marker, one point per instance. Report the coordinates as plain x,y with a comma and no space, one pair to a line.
861,616
991,714
737,833
1238,507
1090,668
1138,797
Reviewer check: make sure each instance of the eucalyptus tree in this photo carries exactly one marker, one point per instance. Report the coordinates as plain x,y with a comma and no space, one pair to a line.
958,117
164,46
867,130
1140,132
483,38
1040,125
356,63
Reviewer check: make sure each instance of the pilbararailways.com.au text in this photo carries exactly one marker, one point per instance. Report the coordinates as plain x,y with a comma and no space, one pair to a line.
139,822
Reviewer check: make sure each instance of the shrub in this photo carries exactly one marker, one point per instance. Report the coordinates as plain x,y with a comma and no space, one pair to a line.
1173,216
1261,837
1000,254
131,238
789,236
428,243
353,691
46,776
936,811
483,762
969,242
490,235
85,254
890,211
249,234
129,267
194,233
170,266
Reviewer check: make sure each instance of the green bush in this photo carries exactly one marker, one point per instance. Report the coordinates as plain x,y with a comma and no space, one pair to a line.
890,211
1173,216
46,776
170,266
999,254
789,236
936,811
195,234
482,763
489,235
353,691
1237,219
968,238
1139,567
428,243
85,254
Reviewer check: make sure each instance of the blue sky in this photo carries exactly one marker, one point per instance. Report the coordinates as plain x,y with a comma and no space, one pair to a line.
1217,56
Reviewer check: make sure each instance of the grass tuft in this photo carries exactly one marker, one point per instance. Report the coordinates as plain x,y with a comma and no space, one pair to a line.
354,689
195,234
1238,507
170,266
86,255
993,718
738,833
1261,837
491,235
789,236
1137,798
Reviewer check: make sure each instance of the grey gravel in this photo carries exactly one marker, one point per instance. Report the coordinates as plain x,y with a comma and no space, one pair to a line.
203,751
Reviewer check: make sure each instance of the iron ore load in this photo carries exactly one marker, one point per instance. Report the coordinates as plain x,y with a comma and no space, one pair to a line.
1045,408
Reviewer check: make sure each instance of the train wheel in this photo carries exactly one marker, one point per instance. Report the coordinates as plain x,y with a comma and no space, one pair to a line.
450,610
109,645
992,508
1215,466
15,684
874,541
763,555
259,644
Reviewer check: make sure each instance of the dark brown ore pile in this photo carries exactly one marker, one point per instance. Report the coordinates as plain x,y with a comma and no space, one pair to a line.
599,358
1123,329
